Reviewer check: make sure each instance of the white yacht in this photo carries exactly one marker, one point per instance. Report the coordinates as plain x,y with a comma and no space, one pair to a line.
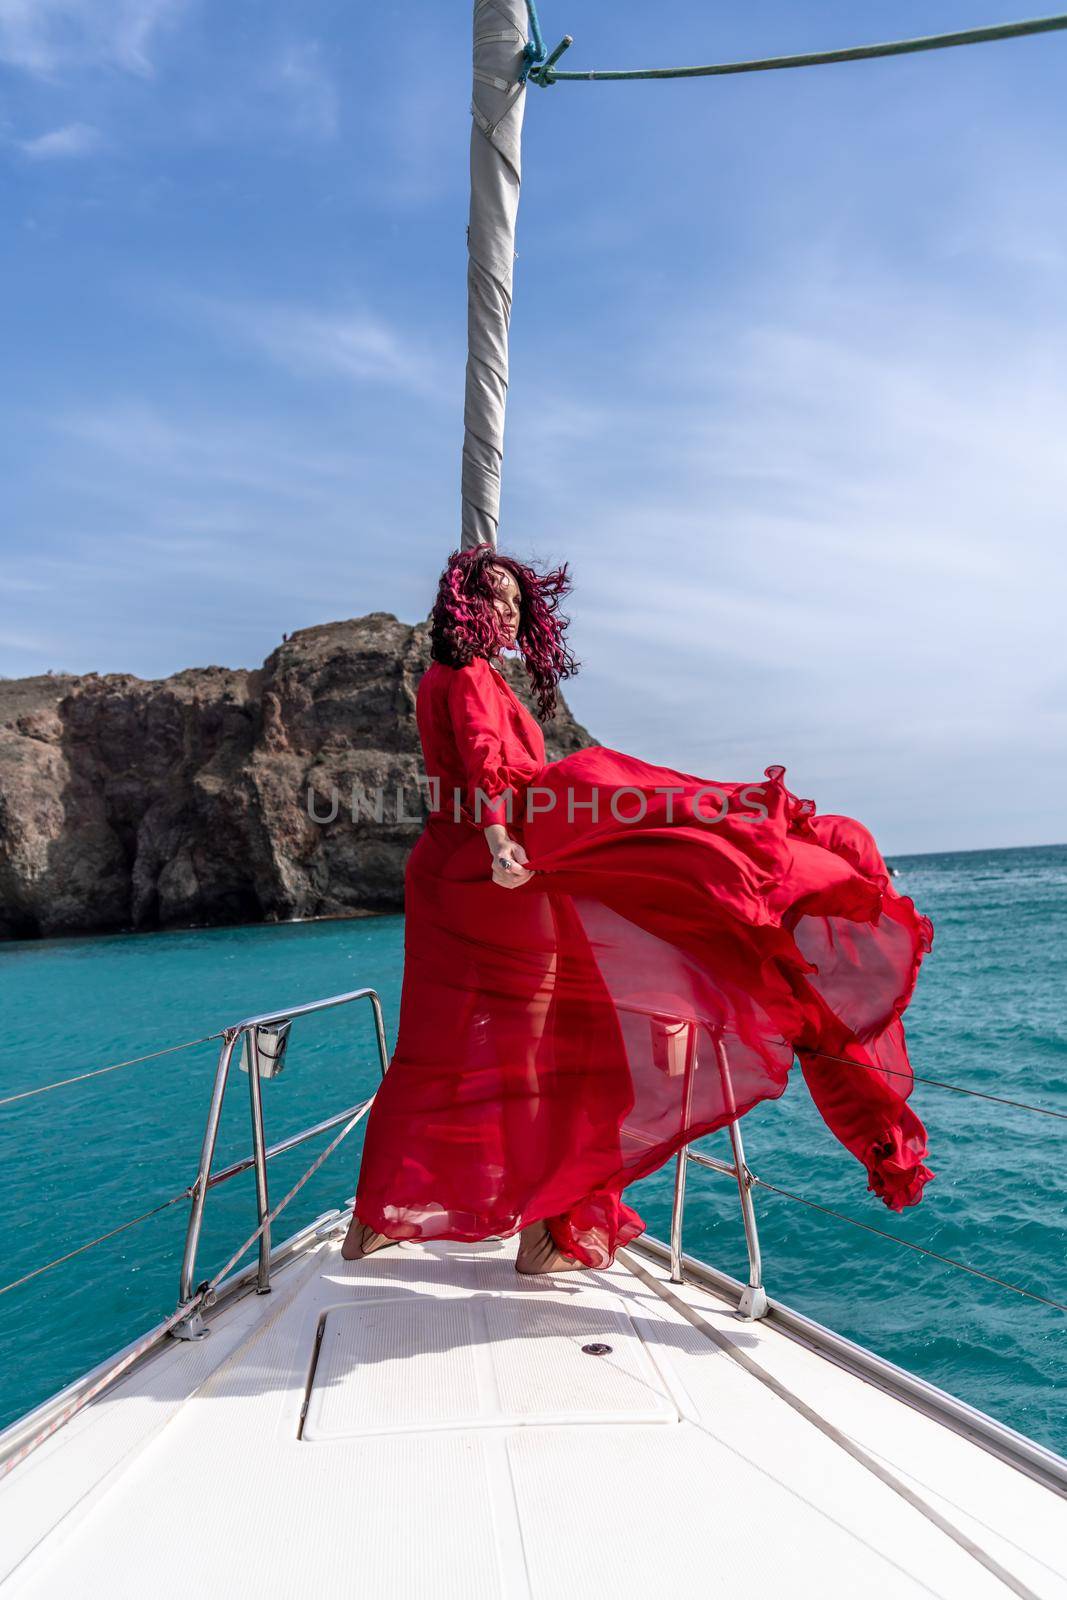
427,1422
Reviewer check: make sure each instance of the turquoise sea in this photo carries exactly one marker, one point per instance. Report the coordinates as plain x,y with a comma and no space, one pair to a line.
990,1012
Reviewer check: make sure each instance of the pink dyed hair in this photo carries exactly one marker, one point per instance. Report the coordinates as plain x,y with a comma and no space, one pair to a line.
465,622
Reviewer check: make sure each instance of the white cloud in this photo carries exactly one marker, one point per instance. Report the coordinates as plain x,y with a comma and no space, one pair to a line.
297,74
280,91
44,37
20,643
187,524
136,444
73,139
1008,209
822,526
352,343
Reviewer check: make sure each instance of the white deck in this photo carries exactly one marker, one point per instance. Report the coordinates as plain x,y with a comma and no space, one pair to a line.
459,1442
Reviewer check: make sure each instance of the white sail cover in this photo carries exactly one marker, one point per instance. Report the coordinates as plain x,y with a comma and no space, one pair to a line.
497,106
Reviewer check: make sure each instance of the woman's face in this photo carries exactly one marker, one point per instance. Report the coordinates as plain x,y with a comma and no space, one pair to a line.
508,601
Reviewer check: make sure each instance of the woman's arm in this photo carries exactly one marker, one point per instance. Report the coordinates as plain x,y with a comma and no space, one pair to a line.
493,792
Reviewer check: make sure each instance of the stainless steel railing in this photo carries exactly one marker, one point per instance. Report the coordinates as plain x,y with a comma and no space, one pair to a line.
264,1041
753,1302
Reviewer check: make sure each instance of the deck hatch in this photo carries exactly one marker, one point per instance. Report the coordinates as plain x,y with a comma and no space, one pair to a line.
400,1365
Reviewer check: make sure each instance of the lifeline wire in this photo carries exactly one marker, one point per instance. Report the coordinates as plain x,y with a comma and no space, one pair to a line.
920,1249
179,1314
97,1072
845,1061
210,1284
939,1083
546,74
185,1195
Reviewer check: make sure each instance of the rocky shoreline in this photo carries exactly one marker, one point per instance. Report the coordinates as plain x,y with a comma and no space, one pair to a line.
134,804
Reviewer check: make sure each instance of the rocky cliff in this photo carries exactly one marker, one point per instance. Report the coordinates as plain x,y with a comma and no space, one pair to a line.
129,804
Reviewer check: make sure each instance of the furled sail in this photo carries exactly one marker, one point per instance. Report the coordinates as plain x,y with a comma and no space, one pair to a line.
497,107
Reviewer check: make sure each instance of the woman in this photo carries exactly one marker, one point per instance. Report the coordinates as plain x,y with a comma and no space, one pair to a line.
668,946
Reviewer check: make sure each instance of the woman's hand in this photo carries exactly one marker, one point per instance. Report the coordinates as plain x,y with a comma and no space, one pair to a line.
506,849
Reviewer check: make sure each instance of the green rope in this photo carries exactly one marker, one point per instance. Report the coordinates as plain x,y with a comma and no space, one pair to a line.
534,53
546,74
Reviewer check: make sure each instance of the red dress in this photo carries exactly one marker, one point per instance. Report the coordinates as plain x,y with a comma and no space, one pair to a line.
680,941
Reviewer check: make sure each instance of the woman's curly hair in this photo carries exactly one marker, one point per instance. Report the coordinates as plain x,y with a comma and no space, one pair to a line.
466,623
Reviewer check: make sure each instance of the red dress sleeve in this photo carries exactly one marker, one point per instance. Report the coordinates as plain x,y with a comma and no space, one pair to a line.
495,783
870,1116
855,1060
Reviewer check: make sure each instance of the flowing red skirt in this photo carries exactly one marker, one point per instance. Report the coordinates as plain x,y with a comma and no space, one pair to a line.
652,981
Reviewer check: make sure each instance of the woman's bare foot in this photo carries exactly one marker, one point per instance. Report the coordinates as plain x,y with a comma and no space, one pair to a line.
539,1253
362,1240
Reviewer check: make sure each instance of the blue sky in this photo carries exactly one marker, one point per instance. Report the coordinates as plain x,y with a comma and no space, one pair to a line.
788,366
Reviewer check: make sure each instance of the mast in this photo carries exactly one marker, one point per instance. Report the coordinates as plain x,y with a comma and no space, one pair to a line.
497,106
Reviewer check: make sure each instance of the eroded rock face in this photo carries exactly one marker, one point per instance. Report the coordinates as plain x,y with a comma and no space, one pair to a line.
126,803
